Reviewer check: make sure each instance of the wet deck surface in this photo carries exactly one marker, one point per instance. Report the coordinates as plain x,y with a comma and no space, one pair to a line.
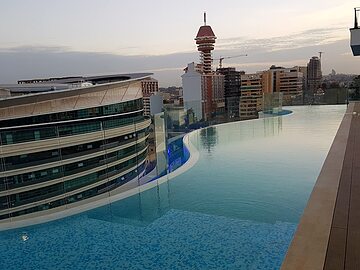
343,250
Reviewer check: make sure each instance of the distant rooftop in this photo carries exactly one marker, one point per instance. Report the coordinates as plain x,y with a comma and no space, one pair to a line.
37,90
90,79
33,88
41,85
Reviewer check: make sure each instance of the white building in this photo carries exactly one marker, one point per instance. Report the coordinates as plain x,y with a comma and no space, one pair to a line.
192,90
153,101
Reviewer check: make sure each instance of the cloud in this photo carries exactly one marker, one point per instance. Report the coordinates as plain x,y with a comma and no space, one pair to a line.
298,40
35,49
260,65
30,61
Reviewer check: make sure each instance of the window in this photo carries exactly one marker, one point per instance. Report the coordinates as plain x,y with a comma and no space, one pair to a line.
9,139
123,107
37,135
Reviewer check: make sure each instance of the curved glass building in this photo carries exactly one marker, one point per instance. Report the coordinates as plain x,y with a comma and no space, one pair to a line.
65,142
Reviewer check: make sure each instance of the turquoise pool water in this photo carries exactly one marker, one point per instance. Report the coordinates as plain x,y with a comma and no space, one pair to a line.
236,208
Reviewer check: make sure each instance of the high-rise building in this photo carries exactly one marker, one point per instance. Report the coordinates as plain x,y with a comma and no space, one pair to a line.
152,99
149,87
232,90
205,40
67,142
192,90
288,81
251,95
314,76
203,89
303,70
214,103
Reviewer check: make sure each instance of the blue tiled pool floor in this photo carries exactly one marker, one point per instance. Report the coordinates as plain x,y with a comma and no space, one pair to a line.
177,240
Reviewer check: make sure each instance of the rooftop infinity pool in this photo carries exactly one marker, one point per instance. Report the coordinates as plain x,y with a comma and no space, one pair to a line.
236,208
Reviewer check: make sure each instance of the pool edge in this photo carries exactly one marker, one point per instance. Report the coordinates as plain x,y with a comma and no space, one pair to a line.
309,245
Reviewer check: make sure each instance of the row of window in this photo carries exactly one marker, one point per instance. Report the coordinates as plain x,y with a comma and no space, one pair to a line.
41,176
38,158
124,107
78,197
47,192
35,134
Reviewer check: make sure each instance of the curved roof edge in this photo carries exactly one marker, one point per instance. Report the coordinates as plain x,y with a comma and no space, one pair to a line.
44,96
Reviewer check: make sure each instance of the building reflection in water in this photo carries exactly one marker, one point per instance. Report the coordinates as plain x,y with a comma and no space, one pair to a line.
272,126
146,207
209,138
138,210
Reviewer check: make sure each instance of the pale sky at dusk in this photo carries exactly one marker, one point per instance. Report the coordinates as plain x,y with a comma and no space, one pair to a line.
42,38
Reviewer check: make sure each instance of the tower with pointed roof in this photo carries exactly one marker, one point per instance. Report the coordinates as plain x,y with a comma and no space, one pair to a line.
205,40
203,89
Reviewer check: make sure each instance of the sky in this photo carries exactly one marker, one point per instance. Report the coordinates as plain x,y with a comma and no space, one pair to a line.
42,38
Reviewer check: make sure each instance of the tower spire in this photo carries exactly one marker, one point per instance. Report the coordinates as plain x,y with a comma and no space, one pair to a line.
204,18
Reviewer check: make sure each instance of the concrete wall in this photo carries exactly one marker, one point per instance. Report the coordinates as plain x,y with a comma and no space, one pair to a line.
156,103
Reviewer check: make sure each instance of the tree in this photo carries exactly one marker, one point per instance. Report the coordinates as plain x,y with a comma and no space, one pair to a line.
355,87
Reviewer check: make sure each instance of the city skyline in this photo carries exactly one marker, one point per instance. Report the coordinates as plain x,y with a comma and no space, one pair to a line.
102,38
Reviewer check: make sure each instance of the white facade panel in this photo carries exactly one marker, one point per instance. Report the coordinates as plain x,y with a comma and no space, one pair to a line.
156,103
191,82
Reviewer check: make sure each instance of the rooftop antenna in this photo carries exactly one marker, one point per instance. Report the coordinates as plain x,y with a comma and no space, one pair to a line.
204,18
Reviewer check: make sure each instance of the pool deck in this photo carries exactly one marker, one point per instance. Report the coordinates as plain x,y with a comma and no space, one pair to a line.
344,243
328,235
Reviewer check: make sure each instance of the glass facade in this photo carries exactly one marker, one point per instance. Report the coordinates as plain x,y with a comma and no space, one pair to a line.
54,155
52,173
48,192
98,190
29,133
120,108
41,176
161,144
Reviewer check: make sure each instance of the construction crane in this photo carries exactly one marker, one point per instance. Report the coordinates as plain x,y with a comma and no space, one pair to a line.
320,54
228,57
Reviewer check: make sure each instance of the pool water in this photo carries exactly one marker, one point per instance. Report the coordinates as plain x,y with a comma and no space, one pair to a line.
236,208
